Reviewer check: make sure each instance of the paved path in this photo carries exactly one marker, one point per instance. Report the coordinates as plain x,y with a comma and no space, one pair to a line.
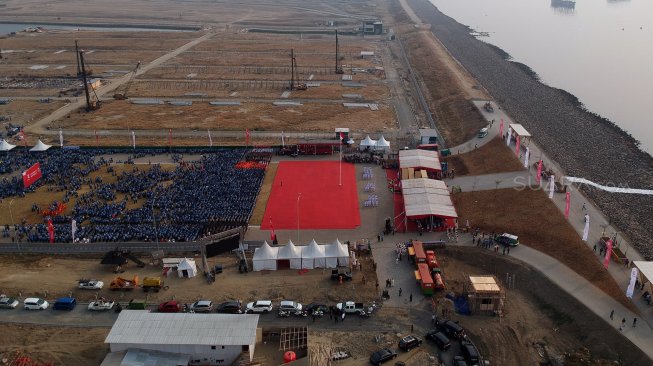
493,122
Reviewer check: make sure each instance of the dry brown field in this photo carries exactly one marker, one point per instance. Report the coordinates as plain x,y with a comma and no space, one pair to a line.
24,111
494,157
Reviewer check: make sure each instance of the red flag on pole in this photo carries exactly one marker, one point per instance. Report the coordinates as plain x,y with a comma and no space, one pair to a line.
247,137
97,142
517,146
539,172
273,236
608,253
342,136
501,128
567,204
170,137
51,230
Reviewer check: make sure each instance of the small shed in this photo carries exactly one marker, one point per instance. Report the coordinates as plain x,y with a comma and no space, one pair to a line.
484,295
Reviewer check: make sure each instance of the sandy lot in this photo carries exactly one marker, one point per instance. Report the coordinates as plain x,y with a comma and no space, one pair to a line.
494,157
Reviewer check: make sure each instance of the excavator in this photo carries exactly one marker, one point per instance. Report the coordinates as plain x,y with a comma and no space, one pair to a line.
123,95
124,284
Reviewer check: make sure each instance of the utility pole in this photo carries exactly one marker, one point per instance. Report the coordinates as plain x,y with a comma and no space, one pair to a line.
338,66
88,96
292,69
79,70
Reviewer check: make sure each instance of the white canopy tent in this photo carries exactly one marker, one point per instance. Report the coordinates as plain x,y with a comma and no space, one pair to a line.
313,256
419,159
382,144
40,146
336,254
187,268
291,253
265,258
5,146
367,143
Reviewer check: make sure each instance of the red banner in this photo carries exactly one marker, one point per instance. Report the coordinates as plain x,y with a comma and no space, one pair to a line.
31,175
538,178
51,231
501,128
247,137
567,204
273,236
517,146
608,253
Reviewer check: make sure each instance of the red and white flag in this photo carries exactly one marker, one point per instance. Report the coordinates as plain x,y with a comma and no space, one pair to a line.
51,230
567,204
517,142
247,137
608,253
272,234
538,178
501,128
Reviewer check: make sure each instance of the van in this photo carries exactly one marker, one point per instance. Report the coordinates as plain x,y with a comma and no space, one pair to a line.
470,352
507,239
483,132
64,303
451,329
440,339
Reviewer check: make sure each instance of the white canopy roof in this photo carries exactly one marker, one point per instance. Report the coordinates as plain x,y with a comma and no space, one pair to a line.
336,250
40,146
419,159
368,141
187,264
519,130
289,251
265,252
5,146
313,250
645,269
382,142
424,197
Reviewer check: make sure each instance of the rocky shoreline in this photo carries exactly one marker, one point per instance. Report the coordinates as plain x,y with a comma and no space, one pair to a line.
581,142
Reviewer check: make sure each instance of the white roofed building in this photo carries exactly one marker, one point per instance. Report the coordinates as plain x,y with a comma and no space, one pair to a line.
209,339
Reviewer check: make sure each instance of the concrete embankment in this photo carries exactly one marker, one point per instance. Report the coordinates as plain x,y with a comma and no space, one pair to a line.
582,143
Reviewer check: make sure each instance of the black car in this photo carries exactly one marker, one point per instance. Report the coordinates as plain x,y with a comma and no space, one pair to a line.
344,276
230,307
314,307
409,342
382,356
459,361
470,352
450,328
440,339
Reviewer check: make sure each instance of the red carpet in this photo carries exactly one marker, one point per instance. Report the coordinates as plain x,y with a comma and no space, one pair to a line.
323,203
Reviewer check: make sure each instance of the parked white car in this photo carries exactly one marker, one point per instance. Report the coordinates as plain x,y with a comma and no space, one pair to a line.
90,284
202,306
291,306
8,302
34,303
101,305
261,306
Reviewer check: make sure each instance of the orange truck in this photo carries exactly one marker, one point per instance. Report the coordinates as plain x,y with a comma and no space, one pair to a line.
124,284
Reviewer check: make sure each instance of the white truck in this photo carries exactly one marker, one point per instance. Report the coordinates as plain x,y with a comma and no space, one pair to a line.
101,305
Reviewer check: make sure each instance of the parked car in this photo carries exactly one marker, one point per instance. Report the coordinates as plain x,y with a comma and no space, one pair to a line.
382,356
261,306
409,342
169,307
315,307
34,303
230,307
64,303
137,304
440,339
101,305
459,361
291,306
470,352
507,239
202,306
483,132
8,302
450,328
337,275
90,284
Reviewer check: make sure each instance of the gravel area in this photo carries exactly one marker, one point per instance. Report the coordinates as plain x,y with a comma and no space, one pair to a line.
603,153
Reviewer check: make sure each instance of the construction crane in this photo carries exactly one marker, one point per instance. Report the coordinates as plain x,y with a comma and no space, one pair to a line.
123,95
94,104
339,69
294,83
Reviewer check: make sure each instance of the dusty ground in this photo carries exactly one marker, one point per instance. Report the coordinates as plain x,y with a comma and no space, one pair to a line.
540,226
24,111
494,157
61,346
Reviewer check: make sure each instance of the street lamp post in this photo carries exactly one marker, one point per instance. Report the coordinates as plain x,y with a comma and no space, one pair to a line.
299,195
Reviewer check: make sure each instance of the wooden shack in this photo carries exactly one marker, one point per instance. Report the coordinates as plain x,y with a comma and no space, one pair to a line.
484,295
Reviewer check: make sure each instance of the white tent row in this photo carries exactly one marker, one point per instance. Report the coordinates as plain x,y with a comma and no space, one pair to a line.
310,256
380,144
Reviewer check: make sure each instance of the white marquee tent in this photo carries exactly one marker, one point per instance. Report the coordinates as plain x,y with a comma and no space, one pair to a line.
337,254
187,268
382,144
367,143
265,258
40,146
5,146
313,256
291,253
